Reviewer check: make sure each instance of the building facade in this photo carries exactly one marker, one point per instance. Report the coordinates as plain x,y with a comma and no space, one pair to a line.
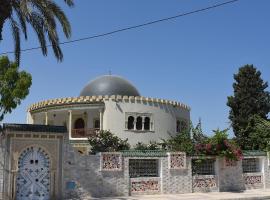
112,103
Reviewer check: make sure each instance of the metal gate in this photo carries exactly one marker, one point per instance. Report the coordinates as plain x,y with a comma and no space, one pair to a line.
33,179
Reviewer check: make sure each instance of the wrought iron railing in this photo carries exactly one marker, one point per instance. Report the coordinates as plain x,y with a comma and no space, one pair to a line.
84,133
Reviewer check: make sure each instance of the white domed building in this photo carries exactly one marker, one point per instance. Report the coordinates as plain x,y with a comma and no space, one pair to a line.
112,103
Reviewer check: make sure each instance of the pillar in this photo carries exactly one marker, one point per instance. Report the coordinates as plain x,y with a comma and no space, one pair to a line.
101,119
70,124
46,118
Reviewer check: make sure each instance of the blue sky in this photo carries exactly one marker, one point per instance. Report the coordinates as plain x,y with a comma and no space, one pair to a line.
191,59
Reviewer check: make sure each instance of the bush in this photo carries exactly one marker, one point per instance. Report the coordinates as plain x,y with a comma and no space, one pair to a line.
105,141
219,145
181,142
151,146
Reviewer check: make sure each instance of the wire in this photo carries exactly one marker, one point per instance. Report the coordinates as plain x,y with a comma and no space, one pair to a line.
132,27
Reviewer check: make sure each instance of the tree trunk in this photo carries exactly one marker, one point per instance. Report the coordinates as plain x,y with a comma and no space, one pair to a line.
5,13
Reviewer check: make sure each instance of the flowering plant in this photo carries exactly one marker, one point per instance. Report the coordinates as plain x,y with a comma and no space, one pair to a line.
219,145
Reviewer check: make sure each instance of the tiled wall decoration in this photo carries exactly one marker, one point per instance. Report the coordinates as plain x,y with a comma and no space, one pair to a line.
177,160
251,180
204,182
145,185
110,161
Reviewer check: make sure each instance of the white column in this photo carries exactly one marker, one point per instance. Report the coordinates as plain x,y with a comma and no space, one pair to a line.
101,119
135,122
143,118
70,124
46,118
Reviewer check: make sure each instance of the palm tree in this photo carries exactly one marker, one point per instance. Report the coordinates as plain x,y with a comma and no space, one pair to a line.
42,15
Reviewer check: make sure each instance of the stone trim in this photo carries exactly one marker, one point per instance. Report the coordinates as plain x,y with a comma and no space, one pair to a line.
99,99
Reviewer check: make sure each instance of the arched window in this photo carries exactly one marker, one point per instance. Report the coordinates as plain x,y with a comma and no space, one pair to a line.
97,124
130,122
139,123
178,128
147,123
79,124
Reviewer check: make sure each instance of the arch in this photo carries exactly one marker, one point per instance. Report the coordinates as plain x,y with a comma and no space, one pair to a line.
147,123
33,178
139,123
79,123
130,122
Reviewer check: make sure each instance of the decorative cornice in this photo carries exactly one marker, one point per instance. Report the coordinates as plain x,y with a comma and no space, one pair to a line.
99,99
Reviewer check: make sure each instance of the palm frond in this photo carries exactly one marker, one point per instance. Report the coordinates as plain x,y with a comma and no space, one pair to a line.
22,21
36,21
69,2
60,15
16,36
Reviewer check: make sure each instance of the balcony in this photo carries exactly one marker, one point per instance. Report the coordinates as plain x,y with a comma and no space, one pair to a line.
84,133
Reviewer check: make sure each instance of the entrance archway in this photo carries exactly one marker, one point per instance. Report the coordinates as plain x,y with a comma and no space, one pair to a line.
33,179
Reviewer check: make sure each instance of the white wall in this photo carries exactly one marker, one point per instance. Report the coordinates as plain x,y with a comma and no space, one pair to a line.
164,118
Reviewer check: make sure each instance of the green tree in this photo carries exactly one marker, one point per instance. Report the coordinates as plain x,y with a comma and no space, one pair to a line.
197,133
107,141
14,86
42,16
250,98
181,142
259,129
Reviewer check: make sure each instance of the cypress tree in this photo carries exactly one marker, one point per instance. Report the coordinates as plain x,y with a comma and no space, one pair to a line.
250,98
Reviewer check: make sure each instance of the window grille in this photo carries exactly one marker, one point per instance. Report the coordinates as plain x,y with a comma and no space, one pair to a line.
143,168
203,167
250,165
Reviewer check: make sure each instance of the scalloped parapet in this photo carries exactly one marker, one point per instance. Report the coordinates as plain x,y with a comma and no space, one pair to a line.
97,99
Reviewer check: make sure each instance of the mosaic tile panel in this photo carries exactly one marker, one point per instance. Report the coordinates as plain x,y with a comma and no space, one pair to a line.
177,160
252,180
111,161
145,185
204,182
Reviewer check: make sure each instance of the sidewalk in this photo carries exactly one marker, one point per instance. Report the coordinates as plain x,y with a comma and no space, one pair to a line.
247,195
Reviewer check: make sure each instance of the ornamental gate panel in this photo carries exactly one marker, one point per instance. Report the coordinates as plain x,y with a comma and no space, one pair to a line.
33,179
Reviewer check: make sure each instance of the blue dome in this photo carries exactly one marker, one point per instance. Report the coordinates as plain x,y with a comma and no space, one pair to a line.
109,85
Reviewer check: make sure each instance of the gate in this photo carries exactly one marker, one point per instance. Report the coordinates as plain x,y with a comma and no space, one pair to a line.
33,179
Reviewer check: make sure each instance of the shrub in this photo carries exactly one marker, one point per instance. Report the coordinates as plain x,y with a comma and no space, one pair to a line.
106,141
151,146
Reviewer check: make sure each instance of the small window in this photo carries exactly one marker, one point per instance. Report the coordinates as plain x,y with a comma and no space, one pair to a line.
178,130
96,124
79,124
250,165
203,167
143,168
147,123
139,123
130,122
